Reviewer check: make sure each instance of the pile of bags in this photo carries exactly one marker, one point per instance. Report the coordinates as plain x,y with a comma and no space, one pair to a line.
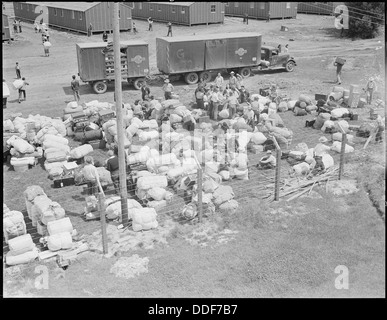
152,188
13,223
60,234
40,208
23,153
21,250
303,106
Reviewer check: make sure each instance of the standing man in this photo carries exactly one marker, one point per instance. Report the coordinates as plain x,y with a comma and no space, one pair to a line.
215,104
370,88
232,81
145,92
17,68
150,24
168,89
105,36
169,29
91,176
22,90
6,94
134,27
219,81
268,17
112,166
90,30
75,88
339,66
15,26
247,18
20,27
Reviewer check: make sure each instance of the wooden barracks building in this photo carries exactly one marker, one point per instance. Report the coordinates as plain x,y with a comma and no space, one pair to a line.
260,10
184,13
76,16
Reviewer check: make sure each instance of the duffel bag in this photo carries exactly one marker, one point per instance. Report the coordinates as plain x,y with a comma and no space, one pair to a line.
81,151
92,135
56,156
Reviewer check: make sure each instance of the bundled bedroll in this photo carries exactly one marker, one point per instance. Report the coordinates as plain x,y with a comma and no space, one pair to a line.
144,219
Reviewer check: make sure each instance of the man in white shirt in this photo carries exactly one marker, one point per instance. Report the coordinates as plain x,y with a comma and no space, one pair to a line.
150,24
233,80
215,104
168,89
219,81
91,176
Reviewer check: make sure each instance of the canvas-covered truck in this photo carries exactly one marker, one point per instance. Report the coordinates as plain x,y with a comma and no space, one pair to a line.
96,63
199,56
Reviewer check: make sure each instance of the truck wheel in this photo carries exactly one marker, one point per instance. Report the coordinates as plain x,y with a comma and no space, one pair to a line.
245,72
138,83
289,66
99,87
206,76
191,78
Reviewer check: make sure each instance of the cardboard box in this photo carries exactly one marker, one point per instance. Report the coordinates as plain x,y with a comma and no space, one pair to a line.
340,60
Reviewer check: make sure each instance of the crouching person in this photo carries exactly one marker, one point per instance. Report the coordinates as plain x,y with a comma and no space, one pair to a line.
267,162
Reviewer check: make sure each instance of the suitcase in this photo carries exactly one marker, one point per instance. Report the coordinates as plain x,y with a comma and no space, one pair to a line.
64,182
78,116
95,144
264,92
105,115
320,97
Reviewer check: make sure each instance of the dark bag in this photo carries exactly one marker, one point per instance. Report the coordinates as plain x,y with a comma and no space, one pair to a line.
93,135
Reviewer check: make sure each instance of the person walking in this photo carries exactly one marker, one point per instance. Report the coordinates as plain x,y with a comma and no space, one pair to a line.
91,176
145,92
104,36
6,94
22,90
90,30
169,29
246,18
20,26
17,68
168,89
338,66
150,24
36,27
75,88
370,89
219,81
15,29
134,28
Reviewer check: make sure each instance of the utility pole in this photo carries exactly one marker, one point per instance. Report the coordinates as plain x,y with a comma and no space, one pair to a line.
120,127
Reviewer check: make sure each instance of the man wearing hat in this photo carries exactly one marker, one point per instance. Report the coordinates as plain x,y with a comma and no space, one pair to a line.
168,89
232,81
267,162
369,89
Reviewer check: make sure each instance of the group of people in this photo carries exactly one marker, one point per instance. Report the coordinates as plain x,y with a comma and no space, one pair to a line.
221,95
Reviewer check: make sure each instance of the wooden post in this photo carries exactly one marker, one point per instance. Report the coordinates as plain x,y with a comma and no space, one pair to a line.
277,170
342,152
102,214
200,193
120,128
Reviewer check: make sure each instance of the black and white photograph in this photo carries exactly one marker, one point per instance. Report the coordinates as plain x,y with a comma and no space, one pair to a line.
194,150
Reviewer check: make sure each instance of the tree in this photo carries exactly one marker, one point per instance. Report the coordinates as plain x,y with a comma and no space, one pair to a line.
365,19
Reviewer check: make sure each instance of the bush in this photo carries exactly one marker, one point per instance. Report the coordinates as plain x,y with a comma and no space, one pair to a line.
365,19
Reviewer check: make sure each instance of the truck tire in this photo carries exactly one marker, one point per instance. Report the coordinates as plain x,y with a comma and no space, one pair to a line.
206,76
290,66
138,83
99,87
245,72
191,78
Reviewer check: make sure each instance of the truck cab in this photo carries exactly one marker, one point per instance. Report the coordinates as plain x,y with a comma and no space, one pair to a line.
271,58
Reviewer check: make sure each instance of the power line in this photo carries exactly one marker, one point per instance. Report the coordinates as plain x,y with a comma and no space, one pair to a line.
352,8
351,17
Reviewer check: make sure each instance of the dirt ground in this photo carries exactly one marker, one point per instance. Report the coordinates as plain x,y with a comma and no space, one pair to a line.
289,250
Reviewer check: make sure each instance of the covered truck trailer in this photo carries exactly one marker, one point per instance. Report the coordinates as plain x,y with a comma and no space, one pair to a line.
196,57
96,63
